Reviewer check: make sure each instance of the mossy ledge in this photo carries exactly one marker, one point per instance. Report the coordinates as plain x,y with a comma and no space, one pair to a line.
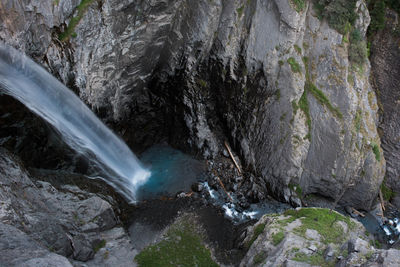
182,246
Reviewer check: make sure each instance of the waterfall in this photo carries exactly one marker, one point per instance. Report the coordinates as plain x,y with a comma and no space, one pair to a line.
43,94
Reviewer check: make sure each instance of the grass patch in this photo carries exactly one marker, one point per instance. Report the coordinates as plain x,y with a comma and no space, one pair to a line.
181,247
316,259
294,65
99,245
299,5
81,10
323,221
258,230
387,193
295,107
259,258
375,149
277,238
323,99
357,120
278,94
303,105
375,243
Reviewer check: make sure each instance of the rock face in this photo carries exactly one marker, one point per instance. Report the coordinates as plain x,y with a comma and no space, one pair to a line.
37,220
199,72
385,55
313,237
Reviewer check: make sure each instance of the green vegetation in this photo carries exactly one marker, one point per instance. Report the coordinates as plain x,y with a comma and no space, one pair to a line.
202,83
258,230
181,247
296,188
357,120
323,99
280,62
240,11
316,259
387,193
100,245
299,5
357,49
338,13
377,12
341,16
278,94
298,49
294,65
295,107
81,10
375,149
323,221
375,243
303,104
259,258
277,238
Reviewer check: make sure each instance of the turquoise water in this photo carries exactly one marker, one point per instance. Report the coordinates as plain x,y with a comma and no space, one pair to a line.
172,171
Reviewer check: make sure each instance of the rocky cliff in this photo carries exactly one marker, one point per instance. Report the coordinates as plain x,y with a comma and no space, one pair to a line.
385,55
268,76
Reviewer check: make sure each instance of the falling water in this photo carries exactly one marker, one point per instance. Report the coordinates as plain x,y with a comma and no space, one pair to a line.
29,83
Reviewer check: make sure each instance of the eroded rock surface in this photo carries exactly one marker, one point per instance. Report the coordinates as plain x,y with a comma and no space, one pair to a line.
385,55
200,72
37,220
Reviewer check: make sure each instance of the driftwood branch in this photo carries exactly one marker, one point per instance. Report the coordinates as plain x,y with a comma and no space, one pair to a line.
358,213
381,199
233,158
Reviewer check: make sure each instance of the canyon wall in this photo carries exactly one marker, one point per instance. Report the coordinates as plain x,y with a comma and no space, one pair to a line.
270,78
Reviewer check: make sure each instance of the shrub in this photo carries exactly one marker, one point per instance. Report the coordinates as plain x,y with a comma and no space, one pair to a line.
358,52
337,12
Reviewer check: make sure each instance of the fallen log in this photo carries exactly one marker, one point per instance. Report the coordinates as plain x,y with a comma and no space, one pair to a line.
381,199
232,157
358,213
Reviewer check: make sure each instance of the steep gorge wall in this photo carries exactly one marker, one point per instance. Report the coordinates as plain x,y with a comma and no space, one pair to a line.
200,71
385,56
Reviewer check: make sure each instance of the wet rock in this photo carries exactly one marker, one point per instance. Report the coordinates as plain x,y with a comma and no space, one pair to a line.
295,201
197,187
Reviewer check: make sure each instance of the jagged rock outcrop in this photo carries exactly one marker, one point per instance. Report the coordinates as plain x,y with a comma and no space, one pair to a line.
200,72
385,56
37,221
